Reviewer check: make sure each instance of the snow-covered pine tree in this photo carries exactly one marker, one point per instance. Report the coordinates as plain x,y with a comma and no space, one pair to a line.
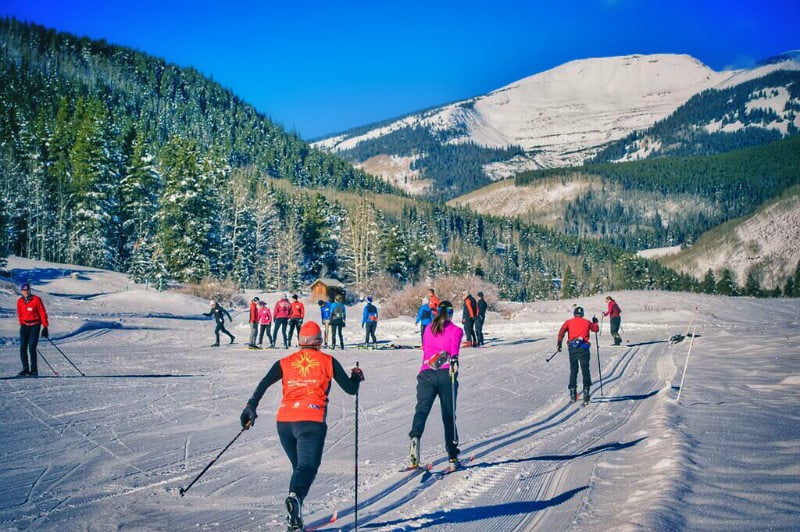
359,245
140,186
187,210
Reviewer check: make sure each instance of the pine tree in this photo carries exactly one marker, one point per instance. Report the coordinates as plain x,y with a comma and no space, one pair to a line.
140,187
709,284
726,284
186,213
752,287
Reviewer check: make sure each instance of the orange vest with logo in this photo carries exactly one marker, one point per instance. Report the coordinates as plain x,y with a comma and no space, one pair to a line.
307,378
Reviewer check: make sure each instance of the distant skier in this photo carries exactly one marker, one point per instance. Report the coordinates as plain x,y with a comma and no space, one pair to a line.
306,376
253,323
264,323
433,301
468,313
424,317
325,316
480,319
32,318
338,317
219,314
438,376
615,320
280,315
577,330
296,315
369,322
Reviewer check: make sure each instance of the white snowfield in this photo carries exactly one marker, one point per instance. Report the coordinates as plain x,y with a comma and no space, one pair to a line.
110,451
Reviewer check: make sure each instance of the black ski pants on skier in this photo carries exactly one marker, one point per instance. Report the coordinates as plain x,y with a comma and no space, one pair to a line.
336,330
280,322
579,356
221,328
615,324
303,442
430,384
295,324
469,329
478,330
370,327
28,341
264,328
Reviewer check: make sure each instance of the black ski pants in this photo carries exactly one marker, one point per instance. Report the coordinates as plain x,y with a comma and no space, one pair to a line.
221,329
264,328
430,384
336,329
280,322
370,327
295,324
579,356
303,442
478,330
615,324
28,341
469,330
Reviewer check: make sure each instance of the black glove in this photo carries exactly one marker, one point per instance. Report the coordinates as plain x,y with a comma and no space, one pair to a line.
453,366
45,333
248,417
594,319
362,325
356,375
559,348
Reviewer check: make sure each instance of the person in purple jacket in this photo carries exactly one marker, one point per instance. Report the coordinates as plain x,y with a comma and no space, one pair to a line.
438,376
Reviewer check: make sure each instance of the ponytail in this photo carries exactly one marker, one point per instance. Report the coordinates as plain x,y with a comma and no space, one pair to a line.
443,314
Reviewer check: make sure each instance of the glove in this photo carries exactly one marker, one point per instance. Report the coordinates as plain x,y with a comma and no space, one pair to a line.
594,319
453,366
362,325
45,333
356,374
248,417
559,348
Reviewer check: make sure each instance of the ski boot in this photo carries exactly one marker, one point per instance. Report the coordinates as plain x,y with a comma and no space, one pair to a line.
232,339
573,395
586,396
215,345
294,513
413,453
454,464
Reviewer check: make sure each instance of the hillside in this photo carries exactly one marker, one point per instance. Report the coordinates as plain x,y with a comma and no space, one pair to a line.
761,245
111,450
567,115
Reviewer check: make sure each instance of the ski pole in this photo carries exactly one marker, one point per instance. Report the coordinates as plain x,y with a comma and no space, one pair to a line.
355,508
600,371
686,366
453,392
548,359
183,491
46,362
65,356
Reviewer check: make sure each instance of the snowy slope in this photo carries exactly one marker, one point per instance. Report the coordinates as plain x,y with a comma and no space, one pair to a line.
109,451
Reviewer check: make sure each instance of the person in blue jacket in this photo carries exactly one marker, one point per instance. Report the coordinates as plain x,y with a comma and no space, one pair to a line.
424,317
325,316
369,322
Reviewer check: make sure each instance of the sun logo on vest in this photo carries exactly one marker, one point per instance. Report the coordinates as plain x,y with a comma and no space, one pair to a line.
304,364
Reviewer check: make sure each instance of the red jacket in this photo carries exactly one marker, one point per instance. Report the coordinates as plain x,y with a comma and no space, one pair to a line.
307,378
577,327
613,310
298,311
253,312
282,309
31,312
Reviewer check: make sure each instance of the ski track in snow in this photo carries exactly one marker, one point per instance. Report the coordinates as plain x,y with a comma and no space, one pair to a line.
109,451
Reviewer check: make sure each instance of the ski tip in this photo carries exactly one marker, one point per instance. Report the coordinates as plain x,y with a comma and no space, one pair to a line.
334,516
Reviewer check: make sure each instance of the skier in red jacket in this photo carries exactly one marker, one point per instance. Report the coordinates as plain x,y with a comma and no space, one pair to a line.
577,330
32,320
280,317
614,312
297,314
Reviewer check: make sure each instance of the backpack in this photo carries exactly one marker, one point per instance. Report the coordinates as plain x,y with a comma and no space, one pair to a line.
426,313
372,312
337,312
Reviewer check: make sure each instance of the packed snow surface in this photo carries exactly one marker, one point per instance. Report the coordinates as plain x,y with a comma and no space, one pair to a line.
111,449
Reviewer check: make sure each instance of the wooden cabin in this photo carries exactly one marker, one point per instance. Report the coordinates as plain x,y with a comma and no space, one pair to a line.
327,289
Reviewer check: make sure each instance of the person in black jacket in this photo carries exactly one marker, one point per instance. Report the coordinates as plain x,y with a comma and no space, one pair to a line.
480,319
219,314
468,313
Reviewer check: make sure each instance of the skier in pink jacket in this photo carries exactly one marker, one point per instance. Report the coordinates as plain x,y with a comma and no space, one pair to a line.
438,377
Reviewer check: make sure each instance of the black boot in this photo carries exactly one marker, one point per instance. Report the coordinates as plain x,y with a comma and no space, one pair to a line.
585,395
573,395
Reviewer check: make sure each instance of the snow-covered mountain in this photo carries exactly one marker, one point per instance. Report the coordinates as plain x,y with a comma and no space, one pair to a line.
559,117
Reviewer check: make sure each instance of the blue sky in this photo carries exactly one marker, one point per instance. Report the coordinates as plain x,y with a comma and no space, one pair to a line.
321,67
